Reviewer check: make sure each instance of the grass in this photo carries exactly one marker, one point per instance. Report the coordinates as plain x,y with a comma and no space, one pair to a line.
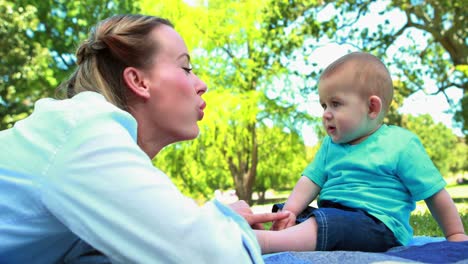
424,224
421,219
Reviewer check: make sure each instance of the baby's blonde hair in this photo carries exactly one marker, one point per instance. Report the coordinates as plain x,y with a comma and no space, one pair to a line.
371,76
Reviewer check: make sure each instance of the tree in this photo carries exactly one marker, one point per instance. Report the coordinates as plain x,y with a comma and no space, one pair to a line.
458,162
21,60
438,35
245,56
38,40
438,140
400,92
282,158
445,22
195,168
263,46
199,167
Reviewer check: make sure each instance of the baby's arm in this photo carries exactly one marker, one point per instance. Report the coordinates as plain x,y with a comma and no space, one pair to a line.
446,214
303,193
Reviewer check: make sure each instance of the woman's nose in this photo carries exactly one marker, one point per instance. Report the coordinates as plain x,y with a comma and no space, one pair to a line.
200,86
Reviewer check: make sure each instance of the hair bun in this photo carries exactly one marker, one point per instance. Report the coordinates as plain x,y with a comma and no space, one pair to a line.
88,48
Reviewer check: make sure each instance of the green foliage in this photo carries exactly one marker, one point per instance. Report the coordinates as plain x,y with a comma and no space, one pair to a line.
458,161
194,168
38,40
21,60
200,167
282,157
438,140
252,58
401,91
241,61
64,24
437,48
425,225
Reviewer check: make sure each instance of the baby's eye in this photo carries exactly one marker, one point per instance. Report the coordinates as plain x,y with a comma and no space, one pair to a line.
335,104
324,106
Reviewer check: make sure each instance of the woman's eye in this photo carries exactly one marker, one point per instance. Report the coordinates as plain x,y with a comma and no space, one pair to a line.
187,69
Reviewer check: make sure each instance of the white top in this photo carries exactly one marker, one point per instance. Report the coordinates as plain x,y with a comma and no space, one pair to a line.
73,169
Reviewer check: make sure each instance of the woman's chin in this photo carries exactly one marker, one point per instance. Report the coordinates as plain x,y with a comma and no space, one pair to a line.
190,134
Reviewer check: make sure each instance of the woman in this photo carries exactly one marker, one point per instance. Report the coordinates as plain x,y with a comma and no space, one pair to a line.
80,169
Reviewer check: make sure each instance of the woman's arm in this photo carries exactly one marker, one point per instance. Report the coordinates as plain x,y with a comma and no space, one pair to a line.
105,189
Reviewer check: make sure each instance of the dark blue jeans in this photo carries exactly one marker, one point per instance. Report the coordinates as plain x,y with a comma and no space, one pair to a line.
344,228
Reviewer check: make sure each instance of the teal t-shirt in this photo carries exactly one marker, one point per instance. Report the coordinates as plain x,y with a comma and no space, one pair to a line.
384,175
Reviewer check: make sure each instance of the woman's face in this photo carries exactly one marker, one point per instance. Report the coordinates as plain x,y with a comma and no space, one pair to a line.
175,104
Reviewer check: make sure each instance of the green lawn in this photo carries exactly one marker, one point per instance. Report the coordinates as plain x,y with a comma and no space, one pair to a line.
422,221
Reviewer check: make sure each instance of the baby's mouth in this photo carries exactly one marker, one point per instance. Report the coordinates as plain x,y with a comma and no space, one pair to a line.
331,129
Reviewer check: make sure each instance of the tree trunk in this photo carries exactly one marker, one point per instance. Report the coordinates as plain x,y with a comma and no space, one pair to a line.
246,170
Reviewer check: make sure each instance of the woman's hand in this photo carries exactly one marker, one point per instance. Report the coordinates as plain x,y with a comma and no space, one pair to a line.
256,220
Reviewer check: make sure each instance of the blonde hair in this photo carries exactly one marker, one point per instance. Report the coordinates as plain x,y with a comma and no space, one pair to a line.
371,76
114,44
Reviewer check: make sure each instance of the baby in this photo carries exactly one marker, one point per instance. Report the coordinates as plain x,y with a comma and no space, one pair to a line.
369,175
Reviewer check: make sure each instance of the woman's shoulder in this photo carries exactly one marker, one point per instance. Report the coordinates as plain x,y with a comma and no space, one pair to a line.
86,110
83,104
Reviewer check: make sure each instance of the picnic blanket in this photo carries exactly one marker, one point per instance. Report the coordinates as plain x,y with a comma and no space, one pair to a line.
422,249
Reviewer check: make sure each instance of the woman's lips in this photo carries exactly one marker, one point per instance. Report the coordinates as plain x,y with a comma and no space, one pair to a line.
201,113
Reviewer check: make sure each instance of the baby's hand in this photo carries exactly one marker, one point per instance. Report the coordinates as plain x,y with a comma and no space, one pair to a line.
256,220
284,223
457,238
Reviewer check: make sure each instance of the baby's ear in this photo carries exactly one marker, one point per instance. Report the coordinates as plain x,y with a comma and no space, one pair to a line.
375,106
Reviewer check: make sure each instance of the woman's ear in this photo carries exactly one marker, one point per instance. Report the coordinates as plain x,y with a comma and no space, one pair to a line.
375,106
136,83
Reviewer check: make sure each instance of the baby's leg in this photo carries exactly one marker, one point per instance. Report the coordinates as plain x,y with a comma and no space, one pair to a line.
301,237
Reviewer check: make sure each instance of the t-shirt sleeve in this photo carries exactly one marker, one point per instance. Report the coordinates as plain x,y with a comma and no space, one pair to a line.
315,171
105,189
417,171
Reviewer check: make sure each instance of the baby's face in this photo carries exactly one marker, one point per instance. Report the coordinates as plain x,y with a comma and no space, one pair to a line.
345,115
